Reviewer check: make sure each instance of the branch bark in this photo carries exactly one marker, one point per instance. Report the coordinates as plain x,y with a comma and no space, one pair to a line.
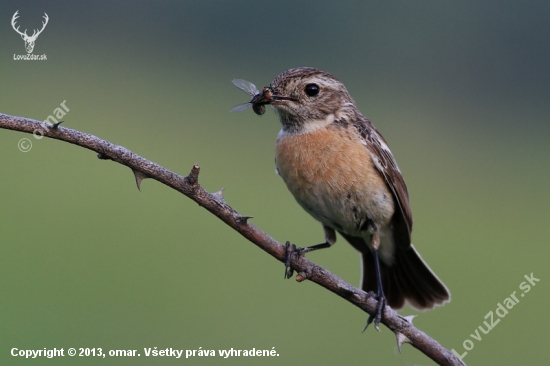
189,186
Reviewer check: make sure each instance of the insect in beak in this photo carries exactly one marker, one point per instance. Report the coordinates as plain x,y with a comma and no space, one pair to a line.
259,99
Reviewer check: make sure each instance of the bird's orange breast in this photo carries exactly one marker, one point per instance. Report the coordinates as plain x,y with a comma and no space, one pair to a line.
331,174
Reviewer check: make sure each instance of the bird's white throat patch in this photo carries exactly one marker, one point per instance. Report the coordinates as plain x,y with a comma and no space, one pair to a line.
311,126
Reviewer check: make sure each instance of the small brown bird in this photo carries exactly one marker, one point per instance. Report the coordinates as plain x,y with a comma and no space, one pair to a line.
340,170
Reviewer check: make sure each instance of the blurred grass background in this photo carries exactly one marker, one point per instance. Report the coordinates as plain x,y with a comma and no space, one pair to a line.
459,90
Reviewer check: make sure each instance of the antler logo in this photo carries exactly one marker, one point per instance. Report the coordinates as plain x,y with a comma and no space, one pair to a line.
29,40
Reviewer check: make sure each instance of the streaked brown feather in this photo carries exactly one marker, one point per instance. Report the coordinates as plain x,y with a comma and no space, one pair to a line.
388,168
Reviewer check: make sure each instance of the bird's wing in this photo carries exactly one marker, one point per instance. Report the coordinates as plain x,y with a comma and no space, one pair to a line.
385,163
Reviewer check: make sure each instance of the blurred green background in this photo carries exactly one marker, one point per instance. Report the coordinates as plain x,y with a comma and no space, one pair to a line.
460,90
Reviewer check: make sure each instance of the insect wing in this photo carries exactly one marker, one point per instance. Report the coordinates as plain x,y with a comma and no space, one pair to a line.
246,86
241,107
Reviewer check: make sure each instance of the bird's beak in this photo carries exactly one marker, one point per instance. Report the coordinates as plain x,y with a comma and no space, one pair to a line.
277,99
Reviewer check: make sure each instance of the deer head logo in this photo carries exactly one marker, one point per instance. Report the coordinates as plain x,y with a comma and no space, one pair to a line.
29,40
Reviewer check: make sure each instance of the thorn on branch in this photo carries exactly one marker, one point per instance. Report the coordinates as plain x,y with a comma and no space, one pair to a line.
193,177
139,177
408,318
219,195
401,339
102,156
56,125
243,219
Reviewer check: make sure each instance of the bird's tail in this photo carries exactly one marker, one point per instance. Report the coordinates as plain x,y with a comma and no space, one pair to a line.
408,279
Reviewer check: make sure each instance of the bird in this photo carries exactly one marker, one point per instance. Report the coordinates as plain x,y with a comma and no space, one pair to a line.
341,171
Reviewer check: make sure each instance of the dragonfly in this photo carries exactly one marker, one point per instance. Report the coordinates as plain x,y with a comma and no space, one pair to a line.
258,100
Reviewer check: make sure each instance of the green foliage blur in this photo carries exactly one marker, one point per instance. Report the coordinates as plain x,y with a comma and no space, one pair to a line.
460,90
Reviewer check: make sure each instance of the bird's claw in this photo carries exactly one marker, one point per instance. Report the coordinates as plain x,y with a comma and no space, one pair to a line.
289,250
380,306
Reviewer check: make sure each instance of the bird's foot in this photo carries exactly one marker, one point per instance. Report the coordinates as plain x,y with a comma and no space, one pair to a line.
378,314
289,250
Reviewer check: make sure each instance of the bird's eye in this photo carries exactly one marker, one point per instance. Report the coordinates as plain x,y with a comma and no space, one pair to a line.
312,90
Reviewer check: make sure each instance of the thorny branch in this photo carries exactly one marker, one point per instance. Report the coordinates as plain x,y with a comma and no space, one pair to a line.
189,186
